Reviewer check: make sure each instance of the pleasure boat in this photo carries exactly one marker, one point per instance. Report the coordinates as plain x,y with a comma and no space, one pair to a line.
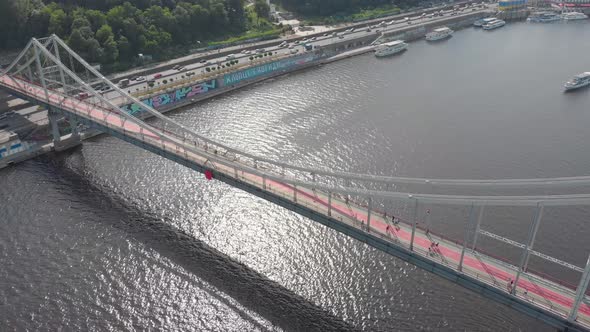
544,17
578,81
571,16
483,21
494,25
439,33
390,48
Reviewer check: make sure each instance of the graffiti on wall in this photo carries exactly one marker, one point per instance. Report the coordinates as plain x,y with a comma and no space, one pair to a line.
267,68
171,97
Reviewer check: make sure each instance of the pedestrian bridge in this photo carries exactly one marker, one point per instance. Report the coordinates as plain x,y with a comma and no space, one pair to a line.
50,74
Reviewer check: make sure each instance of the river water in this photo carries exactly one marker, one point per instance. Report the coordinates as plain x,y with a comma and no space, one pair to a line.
110,237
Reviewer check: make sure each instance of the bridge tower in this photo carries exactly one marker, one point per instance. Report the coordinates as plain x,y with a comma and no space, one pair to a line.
34,65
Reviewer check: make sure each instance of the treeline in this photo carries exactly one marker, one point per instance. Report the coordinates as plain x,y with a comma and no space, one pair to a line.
110,31
332,7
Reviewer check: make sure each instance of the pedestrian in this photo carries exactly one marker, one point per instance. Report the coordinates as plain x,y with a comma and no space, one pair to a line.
387,229
427,231
437,244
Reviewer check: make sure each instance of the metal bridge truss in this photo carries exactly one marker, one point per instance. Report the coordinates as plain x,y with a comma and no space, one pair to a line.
50,64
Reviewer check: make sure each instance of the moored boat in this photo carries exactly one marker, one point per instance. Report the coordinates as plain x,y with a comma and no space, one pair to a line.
483,21
494,25
439,33
572,16
390,48
544,17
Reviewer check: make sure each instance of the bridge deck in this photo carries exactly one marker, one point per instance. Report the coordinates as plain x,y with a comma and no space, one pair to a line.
540,292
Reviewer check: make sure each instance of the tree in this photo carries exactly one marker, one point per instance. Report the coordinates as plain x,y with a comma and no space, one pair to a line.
96,18
80,22
104,33
115,30
58,22
262,9
76,41
110,51
235,14
93,50
124,47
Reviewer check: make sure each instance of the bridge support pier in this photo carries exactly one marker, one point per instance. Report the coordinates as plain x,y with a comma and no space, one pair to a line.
53,121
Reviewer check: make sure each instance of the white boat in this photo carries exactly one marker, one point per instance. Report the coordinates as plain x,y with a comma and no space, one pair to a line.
390,48
571,16
494,25
577,81
439,33
544,17
10,143
483,21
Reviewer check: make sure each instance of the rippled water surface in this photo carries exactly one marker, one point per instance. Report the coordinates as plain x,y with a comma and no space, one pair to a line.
110,237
